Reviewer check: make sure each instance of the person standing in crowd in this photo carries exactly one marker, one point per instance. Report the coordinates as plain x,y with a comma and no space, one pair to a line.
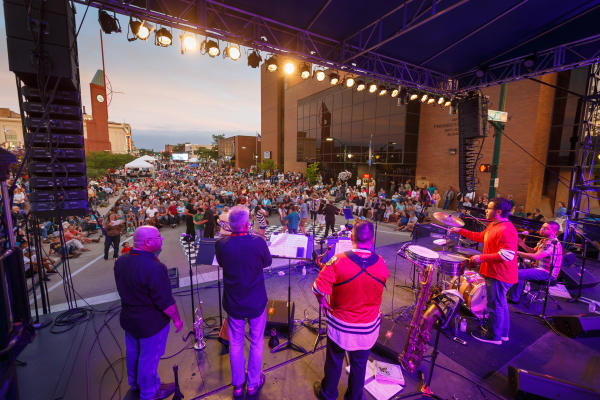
199,222
448,197
499,267
282,214
547,256
243,258
303,216
330,212
292,220
209,216
189,213
147,307
260,215
113,228
354,281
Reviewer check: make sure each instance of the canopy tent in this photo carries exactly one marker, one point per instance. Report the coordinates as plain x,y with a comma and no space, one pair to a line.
444,46
139,164
147,158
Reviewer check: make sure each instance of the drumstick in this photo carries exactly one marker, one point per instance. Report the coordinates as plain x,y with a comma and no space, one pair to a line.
439,226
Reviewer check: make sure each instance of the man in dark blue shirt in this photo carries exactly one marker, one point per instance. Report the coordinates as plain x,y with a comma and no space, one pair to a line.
147,307
243,257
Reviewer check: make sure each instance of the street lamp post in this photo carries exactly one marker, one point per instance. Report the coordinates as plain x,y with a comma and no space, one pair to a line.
346,155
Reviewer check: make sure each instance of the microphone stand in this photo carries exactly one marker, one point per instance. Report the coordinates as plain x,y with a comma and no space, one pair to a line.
188,241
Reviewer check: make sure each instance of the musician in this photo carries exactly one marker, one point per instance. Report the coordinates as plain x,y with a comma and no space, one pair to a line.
547,256
354,281
243,257
498,266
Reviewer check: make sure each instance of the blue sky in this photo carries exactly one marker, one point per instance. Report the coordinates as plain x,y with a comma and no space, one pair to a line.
167,97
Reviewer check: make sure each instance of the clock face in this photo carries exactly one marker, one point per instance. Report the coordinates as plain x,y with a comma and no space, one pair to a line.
100,98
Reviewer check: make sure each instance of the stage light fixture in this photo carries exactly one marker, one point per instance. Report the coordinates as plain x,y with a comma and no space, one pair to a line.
382,90
349,82
163,38
320,75
211,47
289,68
254,59
305,71
188,42
424,98
334,79
447,103
360,86
233,51
440,100
372,87
395,92
108,23
529,61
349,155
413,96
272,64
431,100
141,29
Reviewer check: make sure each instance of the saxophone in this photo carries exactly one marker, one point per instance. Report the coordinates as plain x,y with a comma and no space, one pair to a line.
199,329
419,330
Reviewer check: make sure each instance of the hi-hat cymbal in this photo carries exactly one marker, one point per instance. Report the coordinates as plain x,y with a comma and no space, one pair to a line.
448,219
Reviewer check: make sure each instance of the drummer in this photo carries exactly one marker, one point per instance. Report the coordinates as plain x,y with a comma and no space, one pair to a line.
547,256
498,266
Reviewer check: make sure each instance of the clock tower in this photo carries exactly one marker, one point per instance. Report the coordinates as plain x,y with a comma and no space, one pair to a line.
97,138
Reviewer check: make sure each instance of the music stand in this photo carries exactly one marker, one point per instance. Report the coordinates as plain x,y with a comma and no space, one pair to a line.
289,344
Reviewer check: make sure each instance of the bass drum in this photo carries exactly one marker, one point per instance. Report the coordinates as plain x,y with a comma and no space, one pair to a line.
471,286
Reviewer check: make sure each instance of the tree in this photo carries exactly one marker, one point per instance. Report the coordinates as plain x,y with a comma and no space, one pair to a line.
216,138
146,152
313,173
98,163
179,148
207,154
267,165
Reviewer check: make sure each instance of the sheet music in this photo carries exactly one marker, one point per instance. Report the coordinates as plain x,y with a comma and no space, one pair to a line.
286,244
343,245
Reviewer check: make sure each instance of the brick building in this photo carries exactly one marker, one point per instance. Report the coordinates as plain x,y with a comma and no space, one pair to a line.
97,136
306,120
239,151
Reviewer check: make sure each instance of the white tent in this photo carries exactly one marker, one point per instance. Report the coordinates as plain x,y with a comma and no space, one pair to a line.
147,158
139,164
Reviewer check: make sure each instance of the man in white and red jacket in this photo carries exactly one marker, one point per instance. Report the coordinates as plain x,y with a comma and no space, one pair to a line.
354,282
499,267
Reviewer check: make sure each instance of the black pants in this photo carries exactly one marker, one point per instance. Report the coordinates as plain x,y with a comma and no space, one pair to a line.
209,231
111,241
334,362
329,224
189,227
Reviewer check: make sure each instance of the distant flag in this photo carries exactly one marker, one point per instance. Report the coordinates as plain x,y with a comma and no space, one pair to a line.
258,137
370,150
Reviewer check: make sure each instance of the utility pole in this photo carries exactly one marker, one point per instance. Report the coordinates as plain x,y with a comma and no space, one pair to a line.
498,129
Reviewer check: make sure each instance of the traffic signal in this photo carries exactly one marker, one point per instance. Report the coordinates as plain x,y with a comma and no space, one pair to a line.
484,168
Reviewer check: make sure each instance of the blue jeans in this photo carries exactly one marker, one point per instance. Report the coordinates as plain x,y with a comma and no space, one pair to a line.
45,228
446,204
334,362
526,275
142,357
293,230
237,357
497,307
199,234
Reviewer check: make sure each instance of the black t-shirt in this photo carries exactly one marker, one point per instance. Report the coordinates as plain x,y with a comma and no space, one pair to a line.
145,290
190,208
331,211
243,258
209,216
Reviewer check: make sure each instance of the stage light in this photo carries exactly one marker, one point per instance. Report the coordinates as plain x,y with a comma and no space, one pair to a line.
349,155
447,103
320,75
254,59
334,79
350,82
108,23
305,71
382,90
424,98
360,86
188,42
212,48
272,64
395,93
163,38
414,96
233,51
288,68
141,29
372,88
529,61
431,100
440,101
329,139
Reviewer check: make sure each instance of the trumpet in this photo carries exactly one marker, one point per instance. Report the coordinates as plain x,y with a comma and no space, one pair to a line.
200,343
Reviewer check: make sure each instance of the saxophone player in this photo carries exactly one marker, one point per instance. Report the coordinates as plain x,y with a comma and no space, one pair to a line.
354,281
499,267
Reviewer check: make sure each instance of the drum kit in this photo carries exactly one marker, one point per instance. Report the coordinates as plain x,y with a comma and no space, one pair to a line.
451,262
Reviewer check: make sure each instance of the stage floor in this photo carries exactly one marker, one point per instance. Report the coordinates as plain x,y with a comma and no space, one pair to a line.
71,365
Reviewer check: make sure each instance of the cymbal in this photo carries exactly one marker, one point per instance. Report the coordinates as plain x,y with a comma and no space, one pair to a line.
448,219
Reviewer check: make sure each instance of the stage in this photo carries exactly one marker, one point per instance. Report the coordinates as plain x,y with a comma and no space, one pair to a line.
71,365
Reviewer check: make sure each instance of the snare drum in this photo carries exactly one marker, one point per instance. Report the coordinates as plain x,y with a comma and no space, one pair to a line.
471,286
452,264
421,255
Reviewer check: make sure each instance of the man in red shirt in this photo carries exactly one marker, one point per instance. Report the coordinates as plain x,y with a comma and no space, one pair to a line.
173,215
499,267
354,282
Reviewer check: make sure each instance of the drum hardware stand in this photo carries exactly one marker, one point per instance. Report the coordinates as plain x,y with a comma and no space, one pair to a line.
289,344
579,298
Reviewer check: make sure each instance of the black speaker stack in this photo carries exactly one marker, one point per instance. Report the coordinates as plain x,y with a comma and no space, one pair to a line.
472,128
42,52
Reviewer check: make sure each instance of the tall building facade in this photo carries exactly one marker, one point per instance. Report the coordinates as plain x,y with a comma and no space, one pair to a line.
305,121
98,138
